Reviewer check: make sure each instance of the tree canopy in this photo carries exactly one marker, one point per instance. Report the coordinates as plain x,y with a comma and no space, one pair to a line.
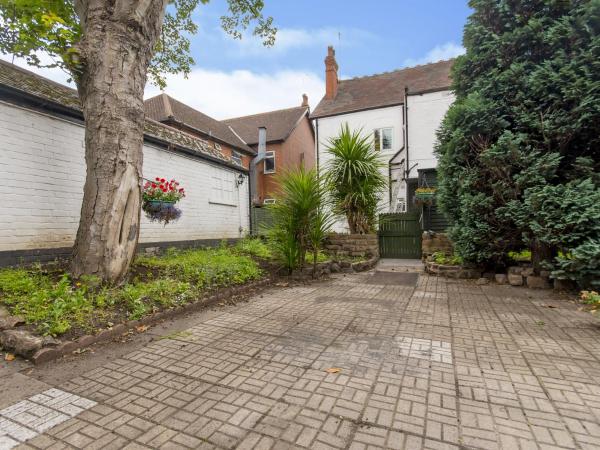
53,27
519,150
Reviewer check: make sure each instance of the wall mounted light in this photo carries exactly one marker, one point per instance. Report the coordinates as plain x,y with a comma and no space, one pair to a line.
240,179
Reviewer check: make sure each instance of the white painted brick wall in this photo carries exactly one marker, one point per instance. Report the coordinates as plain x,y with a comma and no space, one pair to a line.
42,171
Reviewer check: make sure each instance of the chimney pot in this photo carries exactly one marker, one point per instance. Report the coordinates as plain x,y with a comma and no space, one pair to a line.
331,74
304,100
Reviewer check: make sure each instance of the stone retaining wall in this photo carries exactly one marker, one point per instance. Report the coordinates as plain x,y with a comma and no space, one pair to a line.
432,242
352,245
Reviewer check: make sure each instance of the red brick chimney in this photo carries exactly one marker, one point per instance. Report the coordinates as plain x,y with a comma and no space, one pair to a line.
331,77
304,100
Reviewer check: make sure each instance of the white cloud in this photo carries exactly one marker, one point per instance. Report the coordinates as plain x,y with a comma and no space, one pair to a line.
55,74
297,38
226,94
230,94
441,52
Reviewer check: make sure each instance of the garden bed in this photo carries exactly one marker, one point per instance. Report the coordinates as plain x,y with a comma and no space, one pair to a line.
44,314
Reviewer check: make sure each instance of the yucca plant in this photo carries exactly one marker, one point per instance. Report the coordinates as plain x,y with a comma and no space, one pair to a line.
354,178
300,222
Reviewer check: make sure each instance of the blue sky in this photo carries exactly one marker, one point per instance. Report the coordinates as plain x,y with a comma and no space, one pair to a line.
369,37
233,78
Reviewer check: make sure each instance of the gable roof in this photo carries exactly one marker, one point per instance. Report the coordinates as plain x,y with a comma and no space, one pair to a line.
279,124
166,109
54,96
386,89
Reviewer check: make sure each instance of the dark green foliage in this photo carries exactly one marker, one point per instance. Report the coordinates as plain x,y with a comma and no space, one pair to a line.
300,218
354,179
524,128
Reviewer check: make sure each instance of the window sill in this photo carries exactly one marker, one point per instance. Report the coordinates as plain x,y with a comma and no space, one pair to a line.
231,205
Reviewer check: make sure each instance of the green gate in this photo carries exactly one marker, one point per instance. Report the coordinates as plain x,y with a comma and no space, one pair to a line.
399,236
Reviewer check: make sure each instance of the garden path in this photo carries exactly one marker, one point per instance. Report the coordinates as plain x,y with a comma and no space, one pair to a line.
372,360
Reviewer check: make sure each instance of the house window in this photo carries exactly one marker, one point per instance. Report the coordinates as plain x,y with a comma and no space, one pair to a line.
268,201
236,158
382,138
223,187
270,162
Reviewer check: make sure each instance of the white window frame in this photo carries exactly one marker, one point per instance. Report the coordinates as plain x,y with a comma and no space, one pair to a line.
268,201
269,155
380,132
236,157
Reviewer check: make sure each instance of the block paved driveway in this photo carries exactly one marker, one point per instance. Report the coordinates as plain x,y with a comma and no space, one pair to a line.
424,363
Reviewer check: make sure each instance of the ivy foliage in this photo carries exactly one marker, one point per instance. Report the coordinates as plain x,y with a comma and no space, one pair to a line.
46,32
519,150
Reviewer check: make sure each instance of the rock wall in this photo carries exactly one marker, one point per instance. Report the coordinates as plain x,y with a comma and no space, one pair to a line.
435,242
352,245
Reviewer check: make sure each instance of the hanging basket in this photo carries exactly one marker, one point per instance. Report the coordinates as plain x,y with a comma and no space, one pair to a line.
159,199
424,196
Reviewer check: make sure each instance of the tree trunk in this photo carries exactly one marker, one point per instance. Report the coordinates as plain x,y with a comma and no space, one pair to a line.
539,253
116,48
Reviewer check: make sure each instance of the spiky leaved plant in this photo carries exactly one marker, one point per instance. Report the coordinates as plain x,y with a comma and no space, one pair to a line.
354,179
299,220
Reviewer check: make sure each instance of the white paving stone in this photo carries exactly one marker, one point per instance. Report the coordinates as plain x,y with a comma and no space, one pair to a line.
437,351
28,418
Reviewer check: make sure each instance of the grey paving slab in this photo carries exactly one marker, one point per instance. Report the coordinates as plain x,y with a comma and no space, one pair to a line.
363,361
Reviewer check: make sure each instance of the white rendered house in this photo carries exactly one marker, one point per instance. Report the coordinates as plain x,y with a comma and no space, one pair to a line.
402,111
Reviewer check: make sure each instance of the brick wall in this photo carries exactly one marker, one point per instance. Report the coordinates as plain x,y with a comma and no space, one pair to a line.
42,168
352,244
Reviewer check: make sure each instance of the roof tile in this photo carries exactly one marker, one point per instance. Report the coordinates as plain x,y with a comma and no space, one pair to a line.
279,124
386,89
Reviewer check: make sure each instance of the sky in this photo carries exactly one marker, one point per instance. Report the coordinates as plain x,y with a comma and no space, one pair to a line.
238,77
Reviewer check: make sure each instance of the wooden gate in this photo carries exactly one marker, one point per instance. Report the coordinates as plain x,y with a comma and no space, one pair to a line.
399,236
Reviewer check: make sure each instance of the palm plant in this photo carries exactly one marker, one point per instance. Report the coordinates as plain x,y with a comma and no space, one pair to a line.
300,222
354,178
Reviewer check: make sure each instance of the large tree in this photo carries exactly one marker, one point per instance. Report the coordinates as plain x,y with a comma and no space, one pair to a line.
109,47
525,121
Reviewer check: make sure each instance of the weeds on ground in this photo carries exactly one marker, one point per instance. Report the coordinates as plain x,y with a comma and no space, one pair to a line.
253,247
590,298
54,303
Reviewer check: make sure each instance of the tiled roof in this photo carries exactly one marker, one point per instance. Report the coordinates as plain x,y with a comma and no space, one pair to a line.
385,89
164,108
279,124
27,82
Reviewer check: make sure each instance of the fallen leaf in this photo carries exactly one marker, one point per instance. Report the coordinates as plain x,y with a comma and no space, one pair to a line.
141,328
9,357
333,370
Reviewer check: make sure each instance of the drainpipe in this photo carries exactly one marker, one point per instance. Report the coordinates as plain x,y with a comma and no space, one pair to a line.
317,139
253,175
406,132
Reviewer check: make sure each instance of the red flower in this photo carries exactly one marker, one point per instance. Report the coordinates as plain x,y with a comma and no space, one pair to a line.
153,185
162,180
157,179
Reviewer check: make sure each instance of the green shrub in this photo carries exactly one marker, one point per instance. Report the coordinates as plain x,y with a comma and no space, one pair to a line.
354,179
518,149
522,256
442,258
300,220
253,247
